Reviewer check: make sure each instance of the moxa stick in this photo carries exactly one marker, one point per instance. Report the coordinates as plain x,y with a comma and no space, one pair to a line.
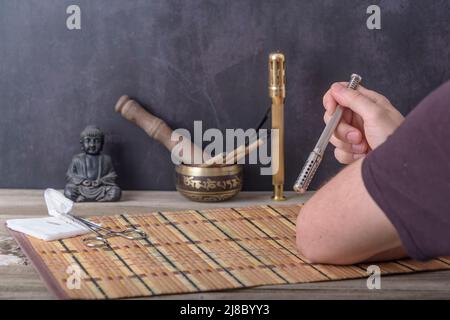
252,147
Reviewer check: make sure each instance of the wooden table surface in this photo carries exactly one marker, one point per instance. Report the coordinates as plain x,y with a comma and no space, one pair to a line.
18,279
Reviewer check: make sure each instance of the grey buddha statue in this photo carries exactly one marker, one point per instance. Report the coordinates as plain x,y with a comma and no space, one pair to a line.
91,176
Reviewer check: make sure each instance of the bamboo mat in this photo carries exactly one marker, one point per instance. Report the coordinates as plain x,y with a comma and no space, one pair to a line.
191,251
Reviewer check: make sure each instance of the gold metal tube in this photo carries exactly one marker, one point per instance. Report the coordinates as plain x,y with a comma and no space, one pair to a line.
277,91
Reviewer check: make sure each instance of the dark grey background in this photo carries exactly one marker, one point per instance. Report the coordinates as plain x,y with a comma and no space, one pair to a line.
192,60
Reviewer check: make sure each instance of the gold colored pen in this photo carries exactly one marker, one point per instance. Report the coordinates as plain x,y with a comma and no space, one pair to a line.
277,91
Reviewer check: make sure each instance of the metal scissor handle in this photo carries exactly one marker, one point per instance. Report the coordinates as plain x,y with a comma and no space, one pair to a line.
130,234
101,239
96,242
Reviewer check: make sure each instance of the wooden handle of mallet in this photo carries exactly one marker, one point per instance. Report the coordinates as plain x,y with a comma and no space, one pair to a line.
155,127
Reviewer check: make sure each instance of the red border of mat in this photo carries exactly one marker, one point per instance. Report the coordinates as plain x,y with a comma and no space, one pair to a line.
42,269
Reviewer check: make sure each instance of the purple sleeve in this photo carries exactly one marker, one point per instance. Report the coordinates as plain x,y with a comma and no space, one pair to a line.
408,176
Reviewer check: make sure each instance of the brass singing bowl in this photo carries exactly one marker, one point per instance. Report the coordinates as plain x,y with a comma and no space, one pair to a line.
209,184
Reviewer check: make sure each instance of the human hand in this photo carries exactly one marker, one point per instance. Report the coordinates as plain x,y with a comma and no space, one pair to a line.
367,121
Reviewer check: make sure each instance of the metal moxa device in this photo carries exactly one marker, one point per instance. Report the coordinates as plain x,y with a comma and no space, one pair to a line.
277,92
315,157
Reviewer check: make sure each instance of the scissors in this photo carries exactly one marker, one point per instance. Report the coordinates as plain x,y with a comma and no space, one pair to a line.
103,234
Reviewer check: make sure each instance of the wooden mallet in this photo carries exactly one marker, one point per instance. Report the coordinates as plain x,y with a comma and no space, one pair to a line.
156,128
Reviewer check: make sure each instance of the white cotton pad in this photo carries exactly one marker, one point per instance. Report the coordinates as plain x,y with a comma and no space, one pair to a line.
57,226
48,229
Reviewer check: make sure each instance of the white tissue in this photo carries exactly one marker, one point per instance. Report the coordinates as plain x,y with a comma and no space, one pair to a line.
57,203
55,227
